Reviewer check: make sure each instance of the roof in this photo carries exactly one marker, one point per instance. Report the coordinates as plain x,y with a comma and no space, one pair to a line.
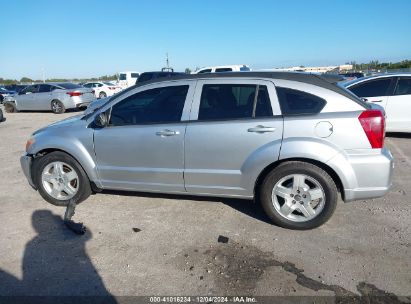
327,81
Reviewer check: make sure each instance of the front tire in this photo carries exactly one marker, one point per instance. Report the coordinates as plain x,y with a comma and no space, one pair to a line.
10,107
298,195
57,107
60,179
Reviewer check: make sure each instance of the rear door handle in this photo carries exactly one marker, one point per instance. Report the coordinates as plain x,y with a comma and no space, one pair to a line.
261,129
167,132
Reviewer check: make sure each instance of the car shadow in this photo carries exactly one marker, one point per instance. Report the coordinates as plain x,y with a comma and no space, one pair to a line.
398,135
55,263
248,207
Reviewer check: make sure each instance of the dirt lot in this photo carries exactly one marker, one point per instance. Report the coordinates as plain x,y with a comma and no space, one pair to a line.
364,249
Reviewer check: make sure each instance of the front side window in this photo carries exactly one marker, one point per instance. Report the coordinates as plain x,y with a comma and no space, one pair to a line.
160,105
88,85
294,102
403,86
135,75
122,77
233,101
204,71
30,89
372,88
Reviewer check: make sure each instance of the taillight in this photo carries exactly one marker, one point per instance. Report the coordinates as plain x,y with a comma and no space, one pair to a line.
72,94
112,88
93,91
373,123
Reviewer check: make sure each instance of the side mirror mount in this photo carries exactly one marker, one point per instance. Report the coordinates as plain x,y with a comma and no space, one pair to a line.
101,120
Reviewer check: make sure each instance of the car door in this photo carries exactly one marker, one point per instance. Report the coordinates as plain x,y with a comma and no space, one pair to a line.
43,98
235,131
142,149
399,106
25,98
374,90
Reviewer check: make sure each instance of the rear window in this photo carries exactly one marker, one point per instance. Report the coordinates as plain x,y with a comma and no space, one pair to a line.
244,69
69,86
294,102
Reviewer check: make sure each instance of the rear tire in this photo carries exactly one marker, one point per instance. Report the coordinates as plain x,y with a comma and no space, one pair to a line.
10,107
102,95
52,182
298,195
57,107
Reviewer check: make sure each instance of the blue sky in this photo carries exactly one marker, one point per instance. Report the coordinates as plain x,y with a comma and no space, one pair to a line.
92,38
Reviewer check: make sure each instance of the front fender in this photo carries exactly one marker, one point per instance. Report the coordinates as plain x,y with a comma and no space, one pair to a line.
78,144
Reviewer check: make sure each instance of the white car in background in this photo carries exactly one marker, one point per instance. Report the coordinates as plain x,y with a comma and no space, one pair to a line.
102,89
127,79
392,92
224,68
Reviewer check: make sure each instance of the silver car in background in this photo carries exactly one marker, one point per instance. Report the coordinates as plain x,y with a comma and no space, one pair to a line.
57,97
292,141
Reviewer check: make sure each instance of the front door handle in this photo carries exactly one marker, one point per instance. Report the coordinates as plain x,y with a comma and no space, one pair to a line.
261,129
167,132
376,100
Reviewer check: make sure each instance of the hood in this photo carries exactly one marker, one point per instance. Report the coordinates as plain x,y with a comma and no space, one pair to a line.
62,123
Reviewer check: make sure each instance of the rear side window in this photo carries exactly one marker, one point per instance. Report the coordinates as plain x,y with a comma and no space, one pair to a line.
160,105
233,101
372,88
294,102
403,86
44,88
223,70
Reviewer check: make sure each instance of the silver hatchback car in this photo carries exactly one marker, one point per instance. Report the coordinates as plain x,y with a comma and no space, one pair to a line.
57,97
292,141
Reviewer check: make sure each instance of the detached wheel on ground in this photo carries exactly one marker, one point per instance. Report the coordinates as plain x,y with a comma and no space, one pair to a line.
57,107
10,107
298,195
60,179
102,95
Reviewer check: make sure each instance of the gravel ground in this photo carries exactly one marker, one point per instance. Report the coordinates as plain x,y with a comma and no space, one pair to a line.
143,244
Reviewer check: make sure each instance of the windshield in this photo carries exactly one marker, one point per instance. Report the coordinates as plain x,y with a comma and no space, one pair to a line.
69,86
123,77
108,83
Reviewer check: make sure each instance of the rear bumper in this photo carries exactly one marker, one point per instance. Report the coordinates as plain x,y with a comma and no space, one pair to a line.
25,162
371,175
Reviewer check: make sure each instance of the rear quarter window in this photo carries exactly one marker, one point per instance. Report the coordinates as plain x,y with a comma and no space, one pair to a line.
295,102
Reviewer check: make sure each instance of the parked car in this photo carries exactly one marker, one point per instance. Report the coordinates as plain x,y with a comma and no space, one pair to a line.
146,76
127,79
102,89
392,92
290,140
4,93
224,68
57,97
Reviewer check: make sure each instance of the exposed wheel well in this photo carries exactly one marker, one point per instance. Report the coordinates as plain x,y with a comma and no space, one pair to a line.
319,164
